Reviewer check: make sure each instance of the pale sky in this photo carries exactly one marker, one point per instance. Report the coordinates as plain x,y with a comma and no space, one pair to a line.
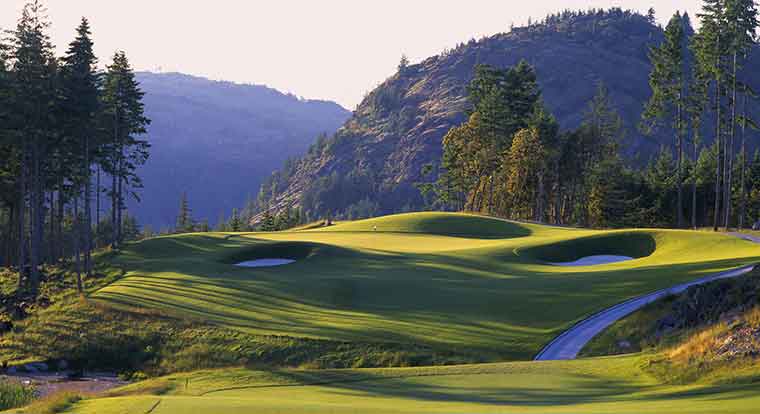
326,49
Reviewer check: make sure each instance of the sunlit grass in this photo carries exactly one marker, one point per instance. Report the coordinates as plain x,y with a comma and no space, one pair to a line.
451,281
606,385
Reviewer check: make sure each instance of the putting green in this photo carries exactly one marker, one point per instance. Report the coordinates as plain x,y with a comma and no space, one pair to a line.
450,281
606,385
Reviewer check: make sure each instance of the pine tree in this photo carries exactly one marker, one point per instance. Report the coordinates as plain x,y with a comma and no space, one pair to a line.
124,118
668,100
403,65
651,16
204,227
710,52
185,223
221,223
741,26
34,100
235,224
81,84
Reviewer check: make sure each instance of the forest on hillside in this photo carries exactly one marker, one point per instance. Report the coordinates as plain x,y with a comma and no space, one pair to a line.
509,159
680,107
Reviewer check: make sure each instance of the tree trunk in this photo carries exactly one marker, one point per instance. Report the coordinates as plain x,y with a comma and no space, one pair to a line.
76,238
694,183
743,180
87,228
716,212
119,211
730,148
679,166
97,204
58,235
52,245
539,214
35,207
114,204
22,217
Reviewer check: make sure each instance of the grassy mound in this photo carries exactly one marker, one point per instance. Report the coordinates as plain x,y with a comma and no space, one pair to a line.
631,244
277,250
448,224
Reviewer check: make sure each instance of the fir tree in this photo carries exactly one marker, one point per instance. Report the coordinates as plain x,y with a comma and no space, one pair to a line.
124,119
235,224
403,65
34,101
185,222
651,16
668,100
81,100
221,223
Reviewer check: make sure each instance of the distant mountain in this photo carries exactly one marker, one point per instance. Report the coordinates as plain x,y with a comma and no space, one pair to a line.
217,141
371,164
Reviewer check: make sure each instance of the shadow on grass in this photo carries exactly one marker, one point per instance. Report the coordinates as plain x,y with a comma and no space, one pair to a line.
503,307
579,388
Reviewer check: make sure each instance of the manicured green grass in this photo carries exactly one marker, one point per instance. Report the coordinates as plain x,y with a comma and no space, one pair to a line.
606,385
449,281
451,284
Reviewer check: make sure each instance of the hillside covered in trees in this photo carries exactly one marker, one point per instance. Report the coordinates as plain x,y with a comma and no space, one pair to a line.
392,145
218,141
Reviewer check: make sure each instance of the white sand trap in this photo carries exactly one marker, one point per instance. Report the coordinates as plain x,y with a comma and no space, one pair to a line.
265,263
595,260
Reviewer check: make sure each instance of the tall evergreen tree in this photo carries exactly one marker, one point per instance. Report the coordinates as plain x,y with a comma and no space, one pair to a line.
124,119
741,26
668,100
35,96
185,222
235,224
710,51
81,100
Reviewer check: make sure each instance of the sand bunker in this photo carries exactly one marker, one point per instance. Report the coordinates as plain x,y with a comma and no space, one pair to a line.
595,260
265,263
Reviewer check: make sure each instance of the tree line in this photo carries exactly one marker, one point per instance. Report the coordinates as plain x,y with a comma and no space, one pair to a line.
71,142
510,158
238,221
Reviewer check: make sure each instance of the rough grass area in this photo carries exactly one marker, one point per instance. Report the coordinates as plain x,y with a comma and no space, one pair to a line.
13,394
607,385
710,332
676,318
53,404
136,341
458,283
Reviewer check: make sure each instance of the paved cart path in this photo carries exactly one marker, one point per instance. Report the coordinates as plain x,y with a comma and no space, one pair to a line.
572,341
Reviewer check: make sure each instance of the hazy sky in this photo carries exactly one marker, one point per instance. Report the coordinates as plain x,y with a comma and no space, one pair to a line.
327,49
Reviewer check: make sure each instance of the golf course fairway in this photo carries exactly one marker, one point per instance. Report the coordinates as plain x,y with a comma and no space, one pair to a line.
603,385
449,281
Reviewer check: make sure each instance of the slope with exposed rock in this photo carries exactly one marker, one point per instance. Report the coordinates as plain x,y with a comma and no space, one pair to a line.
372,163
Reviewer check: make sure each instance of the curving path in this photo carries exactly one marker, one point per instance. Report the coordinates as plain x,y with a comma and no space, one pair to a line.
572,341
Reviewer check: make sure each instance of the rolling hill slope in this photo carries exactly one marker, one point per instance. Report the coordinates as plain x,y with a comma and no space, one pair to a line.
414,279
